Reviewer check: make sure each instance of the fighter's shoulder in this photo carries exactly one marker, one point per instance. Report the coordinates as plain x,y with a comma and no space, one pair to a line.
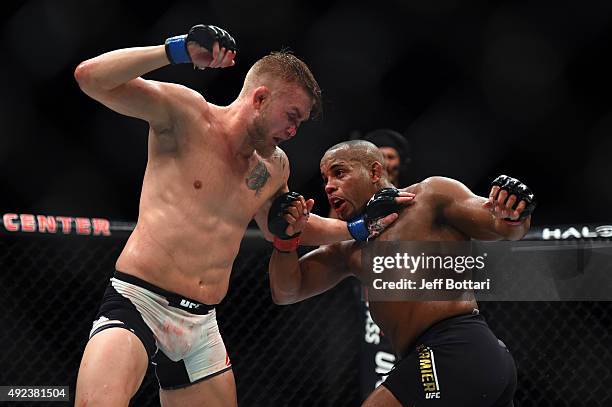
440,187
180,96
280,162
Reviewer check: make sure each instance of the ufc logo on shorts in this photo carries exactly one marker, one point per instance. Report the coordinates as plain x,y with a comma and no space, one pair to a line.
435,395
189,304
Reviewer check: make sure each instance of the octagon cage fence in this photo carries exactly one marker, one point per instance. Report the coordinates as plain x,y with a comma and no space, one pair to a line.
307,354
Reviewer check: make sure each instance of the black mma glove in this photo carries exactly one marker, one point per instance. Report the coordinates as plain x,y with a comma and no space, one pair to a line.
515,187
277,225
204,36
380,205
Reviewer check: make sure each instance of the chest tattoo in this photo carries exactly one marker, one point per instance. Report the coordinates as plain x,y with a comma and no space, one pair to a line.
258,177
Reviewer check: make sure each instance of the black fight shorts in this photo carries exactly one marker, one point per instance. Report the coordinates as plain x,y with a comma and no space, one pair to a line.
457,362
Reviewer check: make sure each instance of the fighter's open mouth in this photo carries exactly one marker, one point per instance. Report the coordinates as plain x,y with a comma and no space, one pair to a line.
336,202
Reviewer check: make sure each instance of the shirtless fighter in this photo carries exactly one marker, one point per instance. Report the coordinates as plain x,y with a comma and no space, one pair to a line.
210,170
448,355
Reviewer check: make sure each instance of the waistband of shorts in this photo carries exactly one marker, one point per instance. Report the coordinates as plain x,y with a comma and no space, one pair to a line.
174,299
434,330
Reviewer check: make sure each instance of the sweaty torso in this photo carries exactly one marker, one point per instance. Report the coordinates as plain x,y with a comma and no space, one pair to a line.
197,200
402,322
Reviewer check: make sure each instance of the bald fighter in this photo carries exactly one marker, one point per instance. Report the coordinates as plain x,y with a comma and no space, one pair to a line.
210,170
396,152
447,354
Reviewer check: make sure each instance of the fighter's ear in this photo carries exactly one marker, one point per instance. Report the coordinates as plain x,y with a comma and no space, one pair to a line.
260,95
377,171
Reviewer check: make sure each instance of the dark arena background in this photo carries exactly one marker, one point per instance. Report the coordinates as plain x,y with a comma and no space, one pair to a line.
478,89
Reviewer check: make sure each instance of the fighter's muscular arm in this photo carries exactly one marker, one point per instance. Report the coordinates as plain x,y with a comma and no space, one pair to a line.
293,280
457,206
378,214
318,230
114,80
